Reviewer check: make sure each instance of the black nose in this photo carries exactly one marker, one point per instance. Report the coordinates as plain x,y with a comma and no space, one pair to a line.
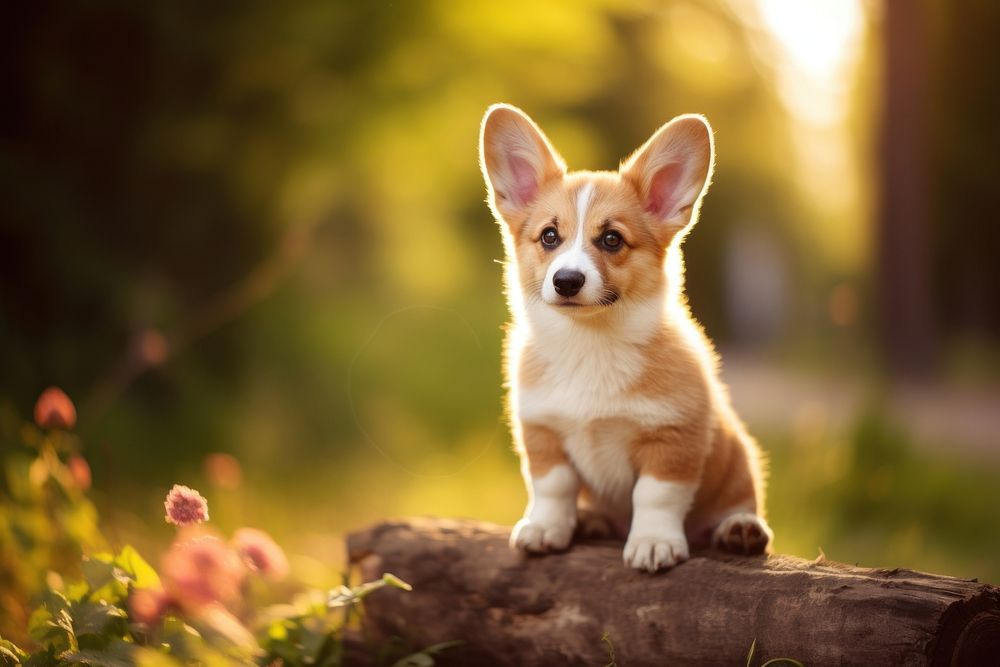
568,281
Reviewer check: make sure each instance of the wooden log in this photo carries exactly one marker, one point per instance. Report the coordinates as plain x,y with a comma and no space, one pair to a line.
512,609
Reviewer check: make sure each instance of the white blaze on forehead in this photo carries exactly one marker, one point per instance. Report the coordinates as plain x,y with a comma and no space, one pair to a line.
576,256
583,197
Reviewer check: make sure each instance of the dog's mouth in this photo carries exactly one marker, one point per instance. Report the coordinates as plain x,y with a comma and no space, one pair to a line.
607,299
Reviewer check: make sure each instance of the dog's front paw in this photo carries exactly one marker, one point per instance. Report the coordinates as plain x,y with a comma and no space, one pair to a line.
537,537
655,552
743,533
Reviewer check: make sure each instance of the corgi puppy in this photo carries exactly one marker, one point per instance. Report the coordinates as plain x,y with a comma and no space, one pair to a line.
616,407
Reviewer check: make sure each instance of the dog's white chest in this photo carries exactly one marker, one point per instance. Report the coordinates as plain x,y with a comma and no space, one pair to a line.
589,377
587,395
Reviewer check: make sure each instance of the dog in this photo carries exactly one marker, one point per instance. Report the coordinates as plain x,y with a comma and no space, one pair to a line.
617,411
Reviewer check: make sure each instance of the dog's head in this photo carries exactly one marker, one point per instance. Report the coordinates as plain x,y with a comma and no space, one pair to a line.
585,241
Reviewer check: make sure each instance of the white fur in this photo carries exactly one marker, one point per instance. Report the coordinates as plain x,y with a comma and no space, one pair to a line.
575,256
656,539
550,518
588,376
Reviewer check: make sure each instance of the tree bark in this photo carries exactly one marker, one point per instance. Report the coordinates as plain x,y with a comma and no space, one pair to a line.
511,609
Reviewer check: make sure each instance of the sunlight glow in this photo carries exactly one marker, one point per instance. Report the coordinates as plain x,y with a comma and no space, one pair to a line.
814,51
819,35
817,46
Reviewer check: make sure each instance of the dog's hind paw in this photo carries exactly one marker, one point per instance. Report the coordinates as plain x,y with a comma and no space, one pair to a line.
743,533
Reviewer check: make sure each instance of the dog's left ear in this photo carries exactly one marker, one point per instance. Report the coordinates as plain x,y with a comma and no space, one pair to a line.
671,173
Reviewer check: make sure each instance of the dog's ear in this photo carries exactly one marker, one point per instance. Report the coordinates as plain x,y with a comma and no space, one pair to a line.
516,159
671,173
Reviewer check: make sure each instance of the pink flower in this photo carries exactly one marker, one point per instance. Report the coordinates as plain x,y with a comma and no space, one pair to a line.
148,605
79,470
201,571
185,506
53,409
260,553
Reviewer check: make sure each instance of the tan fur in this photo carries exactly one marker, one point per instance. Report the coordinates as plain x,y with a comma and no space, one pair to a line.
542,447
730,473
731,477
671,453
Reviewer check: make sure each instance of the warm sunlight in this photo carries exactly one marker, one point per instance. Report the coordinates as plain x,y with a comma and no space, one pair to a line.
818,35
818,43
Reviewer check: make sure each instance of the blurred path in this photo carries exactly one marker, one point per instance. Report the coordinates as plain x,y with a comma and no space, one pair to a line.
966,420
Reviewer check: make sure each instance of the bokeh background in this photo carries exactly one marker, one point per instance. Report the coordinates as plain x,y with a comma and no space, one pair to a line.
259,229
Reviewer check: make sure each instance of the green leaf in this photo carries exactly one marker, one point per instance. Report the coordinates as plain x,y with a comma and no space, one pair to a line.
10,654
312,640
95,618
137,568
389,579
77,591
100,572
38,623
51,624
425,657
420,659
277,631
184,642
147,657
19,486
44,658
116,654
774,662
52,601
342,595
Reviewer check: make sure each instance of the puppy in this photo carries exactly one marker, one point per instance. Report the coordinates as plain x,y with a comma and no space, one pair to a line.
617,411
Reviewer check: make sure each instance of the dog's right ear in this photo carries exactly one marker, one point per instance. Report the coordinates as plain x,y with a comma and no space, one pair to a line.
516,159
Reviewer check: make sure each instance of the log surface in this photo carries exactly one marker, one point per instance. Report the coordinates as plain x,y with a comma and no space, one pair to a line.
512,609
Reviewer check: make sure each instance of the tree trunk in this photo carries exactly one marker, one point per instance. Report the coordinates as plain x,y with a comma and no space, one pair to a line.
510,609
903,235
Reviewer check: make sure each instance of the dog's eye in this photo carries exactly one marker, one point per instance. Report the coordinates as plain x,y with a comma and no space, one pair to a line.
611,241
550,237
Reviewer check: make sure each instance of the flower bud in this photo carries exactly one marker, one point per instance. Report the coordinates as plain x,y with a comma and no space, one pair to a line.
54,410
79,470
223,470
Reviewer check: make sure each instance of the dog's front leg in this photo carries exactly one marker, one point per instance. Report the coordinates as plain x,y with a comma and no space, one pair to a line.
669,463
553,486
656,539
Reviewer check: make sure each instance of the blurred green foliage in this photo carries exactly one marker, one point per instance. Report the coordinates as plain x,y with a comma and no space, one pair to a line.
47,522
873,496
155,156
